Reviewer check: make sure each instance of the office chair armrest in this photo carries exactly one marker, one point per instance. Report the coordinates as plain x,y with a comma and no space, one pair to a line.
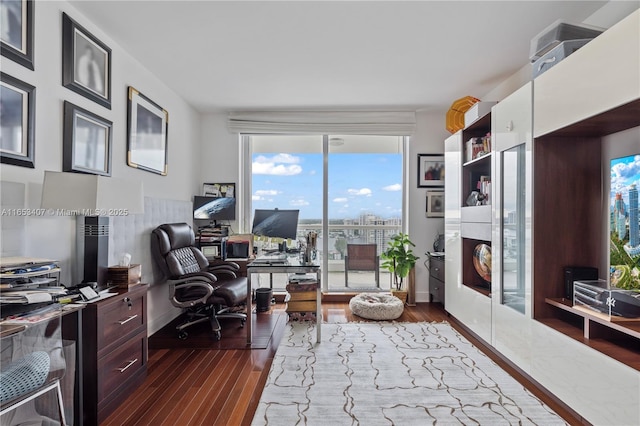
198,276
226,272
227,264
194,280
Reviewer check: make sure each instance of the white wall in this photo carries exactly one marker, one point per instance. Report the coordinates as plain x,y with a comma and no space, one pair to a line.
428,139
54,237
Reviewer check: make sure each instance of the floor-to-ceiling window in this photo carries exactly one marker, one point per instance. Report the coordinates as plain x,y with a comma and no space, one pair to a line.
347,188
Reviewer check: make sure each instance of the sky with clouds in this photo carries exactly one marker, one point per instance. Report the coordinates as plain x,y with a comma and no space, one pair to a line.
624,172
358,183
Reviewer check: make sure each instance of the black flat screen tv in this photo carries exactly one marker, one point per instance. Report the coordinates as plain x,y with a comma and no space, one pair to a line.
276,223
213,209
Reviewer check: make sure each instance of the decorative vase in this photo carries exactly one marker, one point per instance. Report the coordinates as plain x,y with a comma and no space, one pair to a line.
400,294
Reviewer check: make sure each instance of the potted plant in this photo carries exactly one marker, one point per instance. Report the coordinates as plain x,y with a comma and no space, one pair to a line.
399,259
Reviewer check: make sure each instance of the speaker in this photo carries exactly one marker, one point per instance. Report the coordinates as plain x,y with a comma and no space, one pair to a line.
577,273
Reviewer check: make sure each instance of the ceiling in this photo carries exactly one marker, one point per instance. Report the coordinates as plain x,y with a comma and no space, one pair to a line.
338,55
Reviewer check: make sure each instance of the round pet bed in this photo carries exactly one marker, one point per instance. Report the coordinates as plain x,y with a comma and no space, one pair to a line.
376,306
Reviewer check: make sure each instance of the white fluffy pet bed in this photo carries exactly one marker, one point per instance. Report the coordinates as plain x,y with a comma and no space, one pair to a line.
376,306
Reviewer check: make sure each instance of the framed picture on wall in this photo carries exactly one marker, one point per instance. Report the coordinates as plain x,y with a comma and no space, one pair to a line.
219,190
17,121
86,145
16,36
86,63
435,204
430,170
147,129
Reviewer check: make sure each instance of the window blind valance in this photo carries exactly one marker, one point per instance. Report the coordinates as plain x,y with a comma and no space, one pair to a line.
394,123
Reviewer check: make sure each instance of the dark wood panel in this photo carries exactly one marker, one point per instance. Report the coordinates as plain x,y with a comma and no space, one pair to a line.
567,217
194,386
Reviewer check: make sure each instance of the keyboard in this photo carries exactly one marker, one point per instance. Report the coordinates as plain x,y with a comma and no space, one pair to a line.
272,258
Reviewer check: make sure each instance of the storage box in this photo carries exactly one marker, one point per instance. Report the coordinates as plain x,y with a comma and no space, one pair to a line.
125,276
558,32
557,54
241,244
477,110
615,304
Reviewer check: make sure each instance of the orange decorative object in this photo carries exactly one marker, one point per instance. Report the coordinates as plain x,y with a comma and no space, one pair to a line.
482,261
455,115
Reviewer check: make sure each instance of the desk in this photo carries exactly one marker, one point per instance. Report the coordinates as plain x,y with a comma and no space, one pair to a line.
292,266
65,324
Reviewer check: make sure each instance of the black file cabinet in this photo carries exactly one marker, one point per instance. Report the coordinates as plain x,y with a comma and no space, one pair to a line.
436,279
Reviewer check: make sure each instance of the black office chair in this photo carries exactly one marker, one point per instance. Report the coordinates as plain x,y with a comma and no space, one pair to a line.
362,257
206,292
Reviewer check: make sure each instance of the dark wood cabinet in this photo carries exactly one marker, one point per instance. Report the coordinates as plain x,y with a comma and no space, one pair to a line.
114,351
436,279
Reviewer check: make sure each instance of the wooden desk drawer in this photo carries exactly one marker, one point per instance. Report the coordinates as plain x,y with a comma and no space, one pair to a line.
302,306
120,365
437,269
119,317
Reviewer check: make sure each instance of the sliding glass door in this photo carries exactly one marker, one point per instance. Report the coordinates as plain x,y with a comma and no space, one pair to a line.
348,189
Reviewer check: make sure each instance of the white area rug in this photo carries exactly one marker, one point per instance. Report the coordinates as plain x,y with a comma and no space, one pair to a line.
391,373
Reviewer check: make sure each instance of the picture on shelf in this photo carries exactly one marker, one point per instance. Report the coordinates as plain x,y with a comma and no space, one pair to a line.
624,233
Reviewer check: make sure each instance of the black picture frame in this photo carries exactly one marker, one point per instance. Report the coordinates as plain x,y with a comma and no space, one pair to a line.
86,63
431,170
219,190
86,141
435,204
147,132
17,118
17,42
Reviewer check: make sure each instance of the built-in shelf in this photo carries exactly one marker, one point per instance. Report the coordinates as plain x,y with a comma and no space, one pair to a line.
618,340
480,161
630,326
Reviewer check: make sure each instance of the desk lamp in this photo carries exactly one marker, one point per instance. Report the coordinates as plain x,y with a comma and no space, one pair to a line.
92,199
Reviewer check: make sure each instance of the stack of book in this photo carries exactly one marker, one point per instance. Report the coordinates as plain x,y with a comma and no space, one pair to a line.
478,147
29,283
484,186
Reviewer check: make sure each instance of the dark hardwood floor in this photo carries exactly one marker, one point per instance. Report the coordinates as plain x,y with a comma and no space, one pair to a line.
202,382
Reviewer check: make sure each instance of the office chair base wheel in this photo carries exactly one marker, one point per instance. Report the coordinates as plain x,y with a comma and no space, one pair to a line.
217,335
182,335
242,323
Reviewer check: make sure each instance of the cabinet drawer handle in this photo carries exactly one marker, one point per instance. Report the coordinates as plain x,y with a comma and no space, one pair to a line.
127,366
128,319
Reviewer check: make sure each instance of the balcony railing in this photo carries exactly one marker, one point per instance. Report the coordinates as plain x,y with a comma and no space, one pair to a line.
339,236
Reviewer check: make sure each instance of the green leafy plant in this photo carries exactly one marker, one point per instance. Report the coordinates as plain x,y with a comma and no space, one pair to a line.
399,259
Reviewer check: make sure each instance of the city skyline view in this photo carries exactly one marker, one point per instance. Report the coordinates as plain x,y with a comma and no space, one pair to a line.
624,172
358,183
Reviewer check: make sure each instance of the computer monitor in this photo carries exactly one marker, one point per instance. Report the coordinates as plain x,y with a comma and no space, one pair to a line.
276,223
213,209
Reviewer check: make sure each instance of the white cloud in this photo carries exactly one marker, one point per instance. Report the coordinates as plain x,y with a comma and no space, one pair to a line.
262,192
340,200
299,203
393,187
363,191
279,164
